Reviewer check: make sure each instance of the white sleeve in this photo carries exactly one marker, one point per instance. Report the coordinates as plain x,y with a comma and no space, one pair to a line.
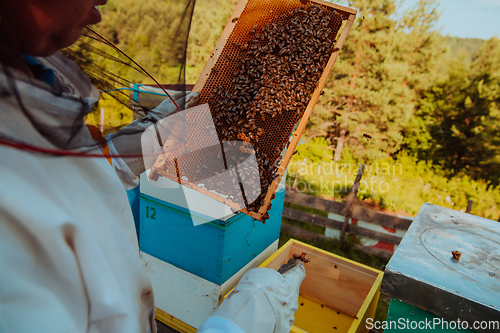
69,258
41,288
127,177
216,324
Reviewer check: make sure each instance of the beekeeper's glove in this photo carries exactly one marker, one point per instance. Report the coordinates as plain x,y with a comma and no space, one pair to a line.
264,301
128,140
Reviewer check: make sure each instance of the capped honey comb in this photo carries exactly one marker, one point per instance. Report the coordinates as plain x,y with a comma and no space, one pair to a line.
263,78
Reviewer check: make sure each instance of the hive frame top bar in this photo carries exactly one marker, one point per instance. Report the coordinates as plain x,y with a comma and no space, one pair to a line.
348,15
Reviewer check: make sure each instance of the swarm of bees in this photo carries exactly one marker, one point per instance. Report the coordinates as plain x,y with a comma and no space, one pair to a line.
277,70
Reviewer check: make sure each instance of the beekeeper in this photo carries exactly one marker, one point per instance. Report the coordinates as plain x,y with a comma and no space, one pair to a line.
69,256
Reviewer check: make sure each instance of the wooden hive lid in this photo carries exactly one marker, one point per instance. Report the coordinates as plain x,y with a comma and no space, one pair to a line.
423,273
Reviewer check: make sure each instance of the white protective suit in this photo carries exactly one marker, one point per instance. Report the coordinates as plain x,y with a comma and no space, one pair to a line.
263,301
69,256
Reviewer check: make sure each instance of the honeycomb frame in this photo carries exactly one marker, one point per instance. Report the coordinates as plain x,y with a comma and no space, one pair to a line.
223,62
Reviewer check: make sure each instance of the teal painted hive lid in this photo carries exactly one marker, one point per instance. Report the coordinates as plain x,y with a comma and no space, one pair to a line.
423,272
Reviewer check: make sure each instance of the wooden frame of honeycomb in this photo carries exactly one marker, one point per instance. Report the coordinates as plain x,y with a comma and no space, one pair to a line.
253,36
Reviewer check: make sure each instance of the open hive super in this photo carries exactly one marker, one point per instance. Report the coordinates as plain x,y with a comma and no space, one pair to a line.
264,77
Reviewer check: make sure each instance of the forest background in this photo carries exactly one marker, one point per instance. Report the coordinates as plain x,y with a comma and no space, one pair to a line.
419,108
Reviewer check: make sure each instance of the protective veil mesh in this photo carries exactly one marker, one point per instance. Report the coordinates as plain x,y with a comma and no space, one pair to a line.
52,119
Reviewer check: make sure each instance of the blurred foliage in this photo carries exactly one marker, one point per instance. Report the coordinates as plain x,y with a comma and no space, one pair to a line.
401,183
460,118
209,19
148,32
115,115
388,59
463,46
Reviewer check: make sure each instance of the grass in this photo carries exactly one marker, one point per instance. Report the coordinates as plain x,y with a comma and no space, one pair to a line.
307,226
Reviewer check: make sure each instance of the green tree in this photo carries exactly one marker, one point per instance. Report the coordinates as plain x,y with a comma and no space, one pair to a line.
374,88
209,19
152,32
461,117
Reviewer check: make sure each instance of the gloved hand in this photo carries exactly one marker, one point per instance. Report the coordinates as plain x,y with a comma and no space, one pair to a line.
128,140
264,300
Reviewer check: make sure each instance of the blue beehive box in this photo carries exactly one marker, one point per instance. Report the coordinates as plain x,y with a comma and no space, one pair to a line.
133,199
214,250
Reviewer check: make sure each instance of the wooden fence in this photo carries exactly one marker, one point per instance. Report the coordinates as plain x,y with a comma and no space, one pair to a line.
347,209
